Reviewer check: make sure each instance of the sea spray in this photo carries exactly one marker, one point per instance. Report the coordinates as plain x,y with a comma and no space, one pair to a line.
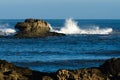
5,31
51,29
71,27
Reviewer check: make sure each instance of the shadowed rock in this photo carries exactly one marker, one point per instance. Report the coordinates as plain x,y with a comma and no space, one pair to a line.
110,70
34,28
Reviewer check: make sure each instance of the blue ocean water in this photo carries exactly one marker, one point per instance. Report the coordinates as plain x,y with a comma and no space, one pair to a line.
93,42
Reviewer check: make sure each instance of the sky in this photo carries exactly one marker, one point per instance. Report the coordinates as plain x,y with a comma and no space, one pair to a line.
60,9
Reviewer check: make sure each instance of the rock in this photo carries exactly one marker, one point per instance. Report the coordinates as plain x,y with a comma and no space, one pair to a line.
46,78
81,74
1,76
110,70
34,28
8,71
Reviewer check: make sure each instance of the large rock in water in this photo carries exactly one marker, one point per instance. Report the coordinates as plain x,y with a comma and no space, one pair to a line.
110,70
34,28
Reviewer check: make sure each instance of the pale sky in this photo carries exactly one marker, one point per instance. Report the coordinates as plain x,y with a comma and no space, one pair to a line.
60,9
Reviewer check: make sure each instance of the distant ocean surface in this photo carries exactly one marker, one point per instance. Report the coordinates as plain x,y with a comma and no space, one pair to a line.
87,44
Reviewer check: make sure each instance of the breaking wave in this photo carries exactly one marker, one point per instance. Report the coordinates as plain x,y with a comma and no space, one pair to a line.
5,30
71,27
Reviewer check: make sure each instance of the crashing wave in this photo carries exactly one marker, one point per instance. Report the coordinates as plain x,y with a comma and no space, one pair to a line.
5,31
71,27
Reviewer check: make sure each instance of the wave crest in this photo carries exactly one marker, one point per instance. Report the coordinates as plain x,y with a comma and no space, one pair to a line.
71,27
5,31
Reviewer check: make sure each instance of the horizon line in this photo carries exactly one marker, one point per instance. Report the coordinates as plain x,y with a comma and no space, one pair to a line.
64,18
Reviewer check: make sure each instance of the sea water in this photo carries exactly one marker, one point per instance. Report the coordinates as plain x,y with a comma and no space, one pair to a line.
88,43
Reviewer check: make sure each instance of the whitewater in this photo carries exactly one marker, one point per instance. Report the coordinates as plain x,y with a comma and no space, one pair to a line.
6,31
70,27
72,51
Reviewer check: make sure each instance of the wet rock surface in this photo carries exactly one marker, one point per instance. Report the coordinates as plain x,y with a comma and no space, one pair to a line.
34,28
110,70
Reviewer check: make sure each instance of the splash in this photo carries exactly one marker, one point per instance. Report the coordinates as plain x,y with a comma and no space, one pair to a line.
71,27
5,31
51,29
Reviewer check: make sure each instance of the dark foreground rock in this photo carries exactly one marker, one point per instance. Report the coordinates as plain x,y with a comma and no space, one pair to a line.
110,70
34,28
8,71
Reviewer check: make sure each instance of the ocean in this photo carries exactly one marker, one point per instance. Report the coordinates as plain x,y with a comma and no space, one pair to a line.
88,43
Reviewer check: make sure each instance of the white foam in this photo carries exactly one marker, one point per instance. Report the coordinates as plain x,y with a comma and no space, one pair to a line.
5,31
51,29
71,27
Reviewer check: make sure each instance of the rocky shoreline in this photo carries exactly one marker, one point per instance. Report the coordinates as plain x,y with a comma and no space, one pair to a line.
110,70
